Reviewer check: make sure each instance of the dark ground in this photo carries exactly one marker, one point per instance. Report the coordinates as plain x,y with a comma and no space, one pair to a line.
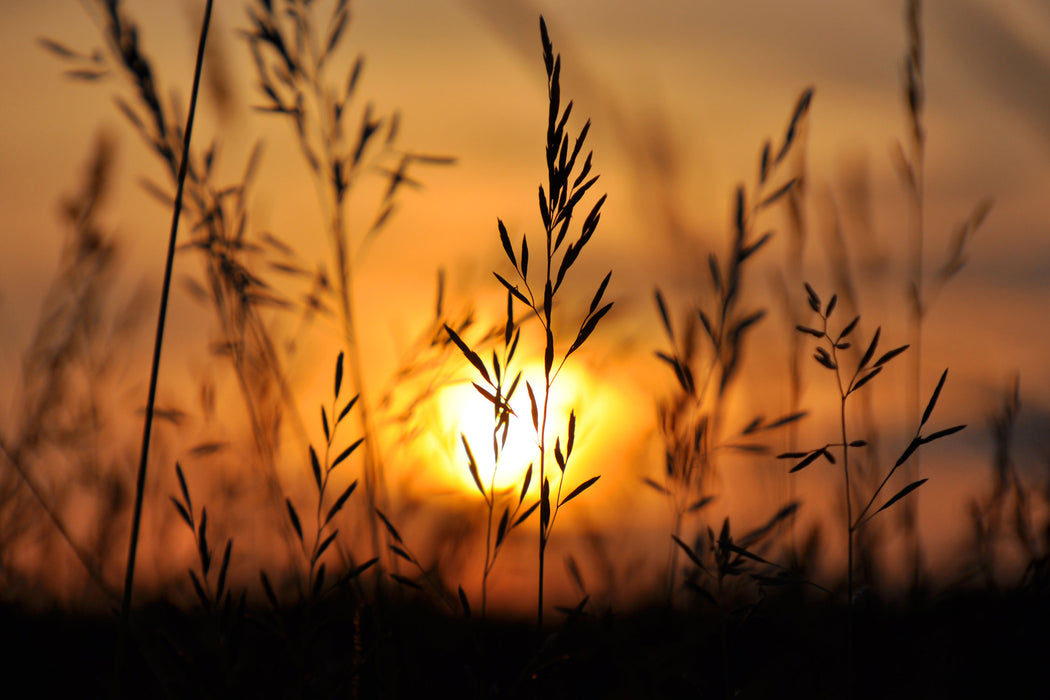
963,646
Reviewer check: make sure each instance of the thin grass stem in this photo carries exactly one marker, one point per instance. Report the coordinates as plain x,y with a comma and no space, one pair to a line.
140,483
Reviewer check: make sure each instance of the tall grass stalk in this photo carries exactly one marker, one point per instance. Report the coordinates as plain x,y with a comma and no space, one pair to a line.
140,482
828,355
915,94
292,57
293,64
922,291
499,392
322,469
557,206
169,263
500,395
788,281
691,422
557,203
231,285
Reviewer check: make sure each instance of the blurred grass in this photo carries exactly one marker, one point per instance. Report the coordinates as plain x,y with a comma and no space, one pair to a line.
725,613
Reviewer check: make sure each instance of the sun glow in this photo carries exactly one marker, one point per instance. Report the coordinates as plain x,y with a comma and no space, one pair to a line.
465,411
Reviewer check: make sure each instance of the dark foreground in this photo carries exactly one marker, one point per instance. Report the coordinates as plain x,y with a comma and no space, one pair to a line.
965,645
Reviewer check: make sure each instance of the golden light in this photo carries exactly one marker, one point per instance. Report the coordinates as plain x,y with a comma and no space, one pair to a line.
463,410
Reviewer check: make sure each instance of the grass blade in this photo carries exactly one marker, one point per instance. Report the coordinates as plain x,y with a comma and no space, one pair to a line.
389,526
347,452
902,493
689,553
579,489
933,399
294,517
315,463
942,433
340,502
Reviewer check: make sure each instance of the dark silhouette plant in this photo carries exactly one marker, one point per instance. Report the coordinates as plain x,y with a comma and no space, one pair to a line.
706,365
502,382
565,189
321,470
827,355
294,64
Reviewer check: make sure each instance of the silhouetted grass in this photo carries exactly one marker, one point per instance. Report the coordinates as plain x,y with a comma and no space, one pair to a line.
740,611
566,187
294,62
706,365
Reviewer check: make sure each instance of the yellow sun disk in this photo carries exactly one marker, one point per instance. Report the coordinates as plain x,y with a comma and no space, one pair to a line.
471,414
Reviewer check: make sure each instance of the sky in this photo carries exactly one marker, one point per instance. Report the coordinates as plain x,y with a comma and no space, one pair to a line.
681,95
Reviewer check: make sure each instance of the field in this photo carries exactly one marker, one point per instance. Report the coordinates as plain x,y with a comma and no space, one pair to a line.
727,409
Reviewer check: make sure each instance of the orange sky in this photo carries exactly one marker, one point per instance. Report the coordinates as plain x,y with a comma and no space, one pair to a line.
700,82
710,79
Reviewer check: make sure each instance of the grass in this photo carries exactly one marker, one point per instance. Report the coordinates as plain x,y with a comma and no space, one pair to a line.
499,393
293,64
151,399
911,162
691,422
566,188
868,368
363,603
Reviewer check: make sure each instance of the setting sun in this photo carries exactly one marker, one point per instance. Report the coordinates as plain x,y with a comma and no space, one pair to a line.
463,410
525,348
